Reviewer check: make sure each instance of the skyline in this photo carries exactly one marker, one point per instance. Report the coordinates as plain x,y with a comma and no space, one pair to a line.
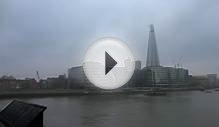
52,36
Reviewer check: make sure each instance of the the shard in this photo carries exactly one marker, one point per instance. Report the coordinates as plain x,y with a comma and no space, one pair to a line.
152,54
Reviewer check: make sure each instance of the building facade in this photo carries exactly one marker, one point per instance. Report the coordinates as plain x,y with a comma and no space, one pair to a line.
168,75
77,78
212,79
159,74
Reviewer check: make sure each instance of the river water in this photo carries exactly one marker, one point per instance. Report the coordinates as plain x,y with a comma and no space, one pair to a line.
180,109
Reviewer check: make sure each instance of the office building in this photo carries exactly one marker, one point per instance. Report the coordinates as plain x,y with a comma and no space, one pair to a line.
162,75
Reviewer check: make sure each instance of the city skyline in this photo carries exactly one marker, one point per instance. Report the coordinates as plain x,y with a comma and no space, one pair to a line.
52,38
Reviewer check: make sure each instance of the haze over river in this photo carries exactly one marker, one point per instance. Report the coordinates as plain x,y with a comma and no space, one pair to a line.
179,109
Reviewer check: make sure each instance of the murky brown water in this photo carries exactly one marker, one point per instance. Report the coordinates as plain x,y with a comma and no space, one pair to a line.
183,109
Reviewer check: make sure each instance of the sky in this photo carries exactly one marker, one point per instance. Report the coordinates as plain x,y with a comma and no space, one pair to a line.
51,36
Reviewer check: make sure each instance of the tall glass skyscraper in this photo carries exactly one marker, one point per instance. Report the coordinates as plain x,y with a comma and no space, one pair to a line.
152,54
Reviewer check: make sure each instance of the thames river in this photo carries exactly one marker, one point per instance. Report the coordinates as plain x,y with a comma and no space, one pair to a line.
180,109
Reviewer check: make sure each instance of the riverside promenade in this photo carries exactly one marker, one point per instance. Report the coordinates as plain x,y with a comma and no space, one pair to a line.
28,93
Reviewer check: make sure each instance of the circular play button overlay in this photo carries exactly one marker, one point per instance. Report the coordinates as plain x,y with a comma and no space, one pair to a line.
108,63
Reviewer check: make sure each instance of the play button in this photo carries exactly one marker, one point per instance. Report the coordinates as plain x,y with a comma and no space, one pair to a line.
108,63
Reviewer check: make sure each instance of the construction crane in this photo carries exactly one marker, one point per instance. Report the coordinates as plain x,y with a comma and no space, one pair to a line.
179,64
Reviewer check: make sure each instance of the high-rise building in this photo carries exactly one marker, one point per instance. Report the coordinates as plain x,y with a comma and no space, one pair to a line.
137,65
152,54
162,75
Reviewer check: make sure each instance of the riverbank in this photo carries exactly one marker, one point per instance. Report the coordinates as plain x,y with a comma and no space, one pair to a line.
178,109
69,92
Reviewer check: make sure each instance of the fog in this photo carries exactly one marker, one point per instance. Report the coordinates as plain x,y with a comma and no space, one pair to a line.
51,36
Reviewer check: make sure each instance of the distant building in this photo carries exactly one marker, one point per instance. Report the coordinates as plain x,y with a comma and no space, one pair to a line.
162,75
7,83
77,78
7,77
204,81
140,78
152,54
212,79
27,83
138,65
152,74
168,75
59,82
199,81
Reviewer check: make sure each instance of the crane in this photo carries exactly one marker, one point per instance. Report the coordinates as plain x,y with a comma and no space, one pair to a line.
179,64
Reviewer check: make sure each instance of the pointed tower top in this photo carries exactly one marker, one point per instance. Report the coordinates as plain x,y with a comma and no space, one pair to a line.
152,54
151,28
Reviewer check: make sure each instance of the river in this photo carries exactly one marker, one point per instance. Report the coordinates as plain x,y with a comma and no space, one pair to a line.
179,109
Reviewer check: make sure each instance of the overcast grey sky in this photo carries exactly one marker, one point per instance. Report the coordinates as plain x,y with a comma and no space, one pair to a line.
52,35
